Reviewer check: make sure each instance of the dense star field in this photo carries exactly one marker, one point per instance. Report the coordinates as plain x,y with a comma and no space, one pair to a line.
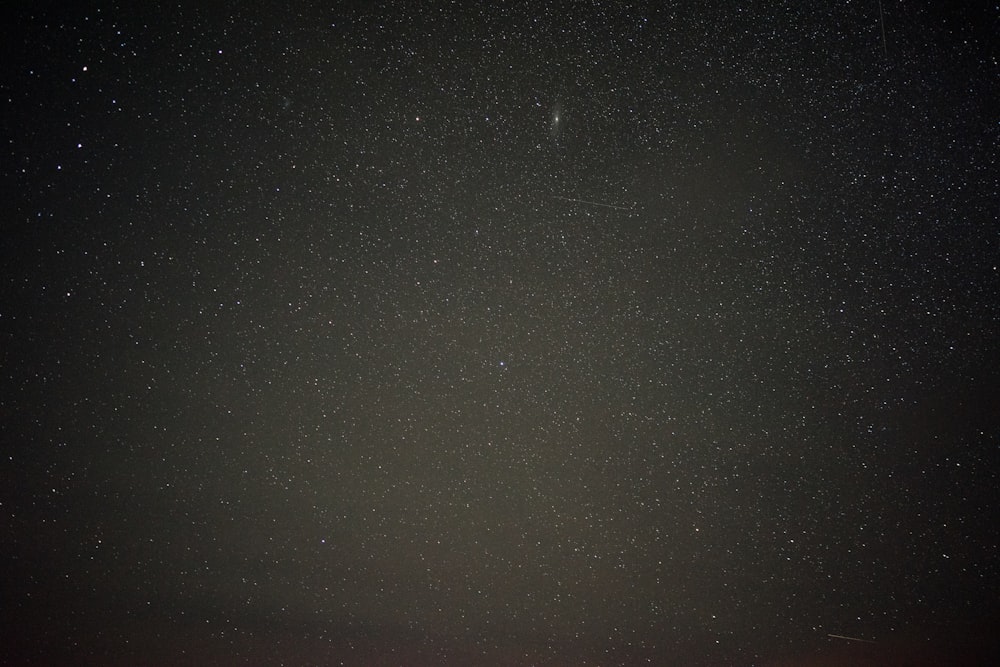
536,333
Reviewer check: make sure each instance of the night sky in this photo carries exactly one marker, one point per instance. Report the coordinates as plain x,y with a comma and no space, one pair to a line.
539,333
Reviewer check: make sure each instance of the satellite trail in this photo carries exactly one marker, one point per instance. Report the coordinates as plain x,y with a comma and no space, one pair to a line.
885,44
593,203
850,639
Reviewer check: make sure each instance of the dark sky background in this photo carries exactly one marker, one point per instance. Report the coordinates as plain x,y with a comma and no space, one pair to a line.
543,333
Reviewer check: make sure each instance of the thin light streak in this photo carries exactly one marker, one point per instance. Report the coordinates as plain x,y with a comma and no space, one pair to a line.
850,639
592,203
885,45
